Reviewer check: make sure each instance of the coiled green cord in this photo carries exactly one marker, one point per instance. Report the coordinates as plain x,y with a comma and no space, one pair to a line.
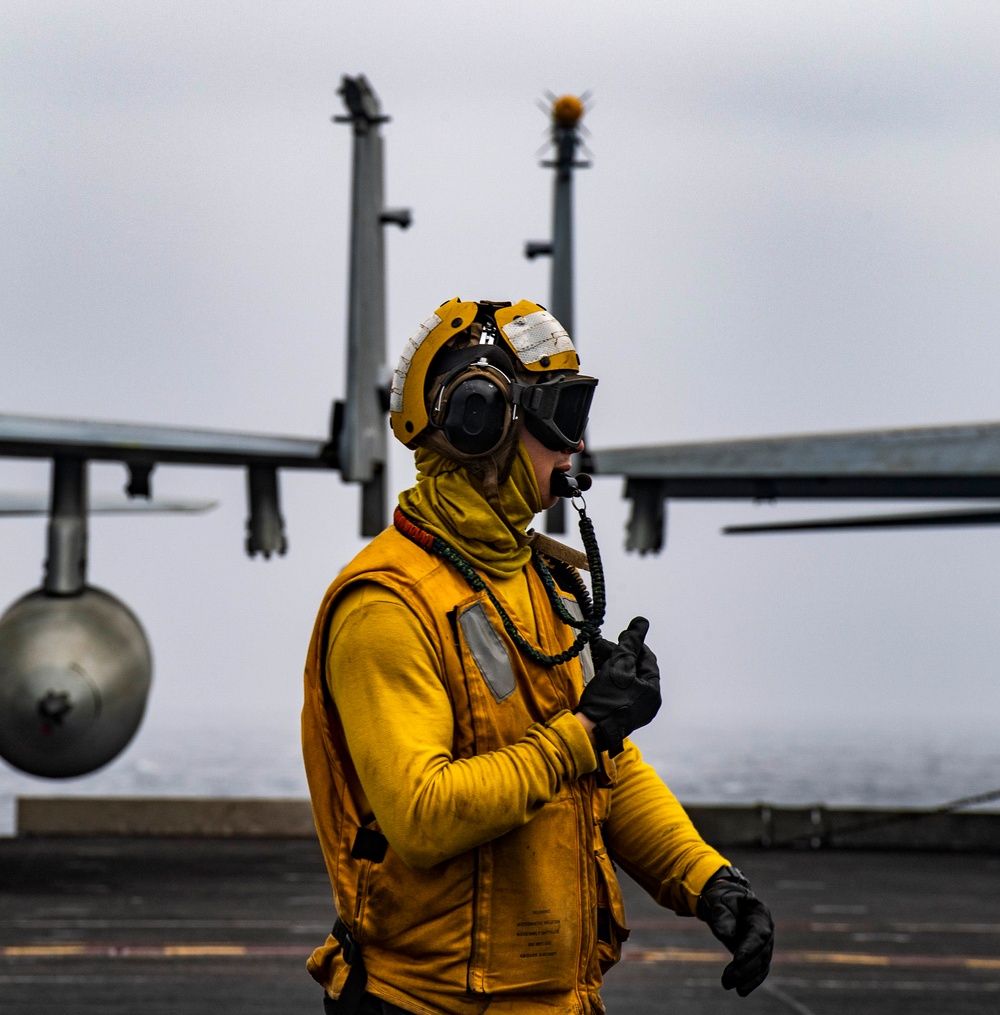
589,627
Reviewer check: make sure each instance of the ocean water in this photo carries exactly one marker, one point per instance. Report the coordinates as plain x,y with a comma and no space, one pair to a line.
902,767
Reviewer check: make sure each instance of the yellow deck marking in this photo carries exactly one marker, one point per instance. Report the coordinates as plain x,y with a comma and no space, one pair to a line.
818,958
672,955
982,963
188,951
44,951
840,958
93,950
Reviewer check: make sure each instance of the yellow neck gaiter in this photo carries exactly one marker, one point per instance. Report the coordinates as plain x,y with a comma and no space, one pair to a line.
449,503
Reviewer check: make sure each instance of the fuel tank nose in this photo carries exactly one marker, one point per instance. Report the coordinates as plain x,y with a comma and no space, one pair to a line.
60,701
75,673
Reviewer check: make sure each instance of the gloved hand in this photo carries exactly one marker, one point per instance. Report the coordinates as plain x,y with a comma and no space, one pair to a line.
625,692
743,924
600,652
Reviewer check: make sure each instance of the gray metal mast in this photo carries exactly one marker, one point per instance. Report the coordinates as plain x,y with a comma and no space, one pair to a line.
362,436
567,112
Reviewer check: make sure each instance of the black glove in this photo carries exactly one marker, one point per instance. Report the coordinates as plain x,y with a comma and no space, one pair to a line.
625,693
600,652
743,924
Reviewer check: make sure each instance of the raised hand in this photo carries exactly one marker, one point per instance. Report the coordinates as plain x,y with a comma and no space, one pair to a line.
625,692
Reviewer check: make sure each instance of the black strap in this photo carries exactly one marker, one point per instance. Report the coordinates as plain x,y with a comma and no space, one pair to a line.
353,990
369,845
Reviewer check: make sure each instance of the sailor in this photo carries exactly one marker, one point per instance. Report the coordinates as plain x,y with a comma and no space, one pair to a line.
466,726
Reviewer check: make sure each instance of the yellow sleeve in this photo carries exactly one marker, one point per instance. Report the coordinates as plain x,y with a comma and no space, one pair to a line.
650,835
383,674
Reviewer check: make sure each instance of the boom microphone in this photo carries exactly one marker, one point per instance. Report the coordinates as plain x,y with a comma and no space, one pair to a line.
562,484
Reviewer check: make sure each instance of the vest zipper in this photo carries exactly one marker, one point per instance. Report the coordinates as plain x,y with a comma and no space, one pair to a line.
364,876
474,979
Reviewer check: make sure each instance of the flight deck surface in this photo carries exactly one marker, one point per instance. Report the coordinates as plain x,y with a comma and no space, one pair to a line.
192,926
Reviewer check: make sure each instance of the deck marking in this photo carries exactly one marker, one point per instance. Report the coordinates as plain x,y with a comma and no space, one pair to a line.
838,958
820,958
232,950
982,963
171,951
46,951
193,951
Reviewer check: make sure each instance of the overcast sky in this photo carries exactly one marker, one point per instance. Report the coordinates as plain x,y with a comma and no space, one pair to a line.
791,224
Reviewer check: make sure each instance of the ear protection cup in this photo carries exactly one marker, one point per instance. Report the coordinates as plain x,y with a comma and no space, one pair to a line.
471,406
477,415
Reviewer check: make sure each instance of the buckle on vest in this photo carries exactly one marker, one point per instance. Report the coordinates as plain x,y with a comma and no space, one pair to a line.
352,950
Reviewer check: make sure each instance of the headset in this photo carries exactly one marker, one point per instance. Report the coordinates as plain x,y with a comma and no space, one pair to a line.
476,401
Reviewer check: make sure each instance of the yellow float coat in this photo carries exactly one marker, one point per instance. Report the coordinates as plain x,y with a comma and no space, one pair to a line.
499,827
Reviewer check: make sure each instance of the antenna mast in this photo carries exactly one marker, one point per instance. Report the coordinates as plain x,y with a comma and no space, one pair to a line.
567,112
362,435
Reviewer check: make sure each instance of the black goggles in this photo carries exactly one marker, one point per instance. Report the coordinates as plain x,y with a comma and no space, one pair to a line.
556,410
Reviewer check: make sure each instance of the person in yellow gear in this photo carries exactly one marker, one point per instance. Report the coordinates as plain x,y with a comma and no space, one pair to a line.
465,727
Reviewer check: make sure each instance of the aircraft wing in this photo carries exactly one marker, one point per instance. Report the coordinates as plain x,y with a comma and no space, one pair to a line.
15,504
939,462
39,437
951,518
71,443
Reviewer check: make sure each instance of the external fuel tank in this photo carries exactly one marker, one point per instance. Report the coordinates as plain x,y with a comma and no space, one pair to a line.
75,673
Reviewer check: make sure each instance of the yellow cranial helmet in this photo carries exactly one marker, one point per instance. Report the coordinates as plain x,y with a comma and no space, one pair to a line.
473,370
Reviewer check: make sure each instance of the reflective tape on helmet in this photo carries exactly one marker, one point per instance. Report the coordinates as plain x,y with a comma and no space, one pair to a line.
537,336
403,367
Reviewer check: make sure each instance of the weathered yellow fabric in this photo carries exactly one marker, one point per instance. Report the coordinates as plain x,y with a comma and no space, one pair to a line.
490,805
448,503
429,806
500,834
651,837
672,864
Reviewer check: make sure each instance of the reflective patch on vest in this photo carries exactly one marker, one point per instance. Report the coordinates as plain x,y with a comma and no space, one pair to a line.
488,651
586,660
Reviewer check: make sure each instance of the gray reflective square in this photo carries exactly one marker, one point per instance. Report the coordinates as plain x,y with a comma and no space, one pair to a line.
586,660
488,651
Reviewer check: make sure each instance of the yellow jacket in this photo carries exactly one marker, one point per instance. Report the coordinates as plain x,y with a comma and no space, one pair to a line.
424,722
